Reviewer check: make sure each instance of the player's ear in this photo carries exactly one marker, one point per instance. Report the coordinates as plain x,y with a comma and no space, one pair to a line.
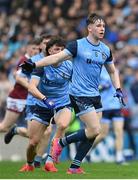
89,27
49,51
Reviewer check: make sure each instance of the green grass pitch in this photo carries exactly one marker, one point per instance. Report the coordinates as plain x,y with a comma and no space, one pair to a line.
9,170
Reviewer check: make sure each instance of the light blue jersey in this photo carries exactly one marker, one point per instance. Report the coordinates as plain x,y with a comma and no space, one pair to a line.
109,102
88,60
54,83
30,98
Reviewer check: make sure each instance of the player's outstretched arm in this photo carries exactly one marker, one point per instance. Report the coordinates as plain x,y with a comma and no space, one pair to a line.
46,61
53,59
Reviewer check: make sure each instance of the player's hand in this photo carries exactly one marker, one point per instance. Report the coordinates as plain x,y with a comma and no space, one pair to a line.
49,103
120,96
28,66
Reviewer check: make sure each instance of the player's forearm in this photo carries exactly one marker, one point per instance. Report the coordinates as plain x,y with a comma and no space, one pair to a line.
35,92
115,79
53,59
49,60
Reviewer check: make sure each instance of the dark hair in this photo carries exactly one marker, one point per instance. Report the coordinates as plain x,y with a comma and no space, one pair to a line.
92,18
55,40
35,41
45,36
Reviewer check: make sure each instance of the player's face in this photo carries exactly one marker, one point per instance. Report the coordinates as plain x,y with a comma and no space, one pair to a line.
97,29
33,50
55,49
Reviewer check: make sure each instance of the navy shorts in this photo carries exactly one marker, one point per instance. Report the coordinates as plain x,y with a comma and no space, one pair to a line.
84,105
42,114
62,107
29,112
112,115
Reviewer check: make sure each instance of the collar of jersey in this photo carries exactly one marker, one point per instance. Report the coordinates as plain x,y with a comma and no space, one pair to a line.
91,43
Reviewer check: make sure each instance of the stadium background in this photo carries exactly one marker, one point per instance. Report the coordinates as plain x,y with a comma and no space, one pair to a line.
22,20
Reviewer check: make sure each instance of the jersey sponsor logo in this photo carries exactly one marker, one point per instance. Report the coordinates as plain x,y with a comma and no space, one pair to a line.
90,61
104,56
98,60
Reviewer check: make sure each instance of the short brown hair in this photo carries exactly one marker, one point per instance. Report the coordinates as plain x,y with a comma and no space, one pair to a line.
35,41
55,40
45,36
92,18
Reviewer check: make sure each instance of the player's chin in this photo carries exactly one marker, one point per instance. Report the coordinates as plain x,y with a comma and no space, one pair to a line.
101,36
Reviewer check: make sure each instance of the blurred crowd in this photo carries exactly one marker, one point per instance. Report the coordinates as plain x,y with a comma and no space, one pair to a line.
22,20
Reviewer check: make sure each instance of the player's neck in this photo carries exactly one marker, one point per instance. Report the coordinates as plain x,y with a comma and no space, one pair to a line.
93,40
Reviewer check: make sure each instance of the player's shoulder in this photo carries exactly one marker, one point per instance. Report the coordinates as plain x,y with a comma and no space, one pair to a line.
81,40
105,49
105,46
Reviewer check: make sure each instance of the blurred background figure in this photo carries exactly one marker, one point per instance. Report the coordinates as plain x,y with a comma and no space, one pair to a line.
16,99
111,114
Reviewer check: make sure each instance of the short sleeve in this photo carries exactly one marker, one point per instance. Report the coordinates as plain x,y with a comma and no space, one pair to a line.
72,48
110,58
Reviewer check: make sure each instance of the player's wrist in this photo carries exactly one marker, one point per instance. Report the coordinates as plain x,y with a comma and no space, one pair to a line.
44,98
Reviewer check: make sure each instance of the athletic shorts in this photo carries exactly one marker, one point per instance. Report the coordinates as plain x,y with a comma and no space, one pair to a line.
112,115
29,112
83,105
44,115
16,105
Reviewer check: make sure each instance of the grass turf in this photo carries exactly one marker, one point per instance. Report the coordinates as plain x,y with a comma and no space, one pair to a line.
9,170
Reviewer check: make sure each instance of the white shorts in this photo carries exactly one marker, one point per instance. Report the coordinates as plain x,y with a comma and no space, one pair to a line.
16,105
